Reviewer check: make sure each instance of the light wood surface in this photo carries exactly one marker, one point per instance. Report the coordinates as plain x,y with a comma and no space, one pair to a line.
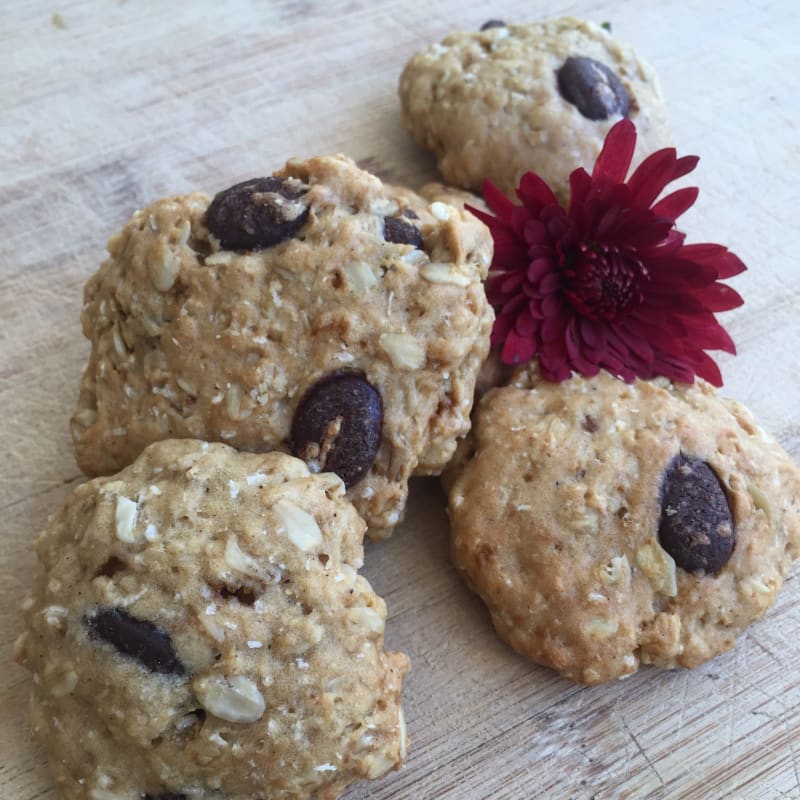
105,106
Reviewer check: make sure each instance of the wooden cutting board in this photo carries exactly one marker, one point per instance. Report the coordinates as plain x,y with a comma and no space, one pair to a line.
105,106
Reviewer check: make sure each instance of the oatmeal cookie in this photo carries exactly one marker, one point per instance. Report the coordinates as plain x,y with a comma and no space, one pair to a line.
198,629
608,524
540,97
316,311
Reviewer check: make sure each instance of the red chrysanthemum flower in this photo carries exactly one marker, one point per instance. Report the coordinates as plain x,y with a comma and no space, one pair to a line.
608,283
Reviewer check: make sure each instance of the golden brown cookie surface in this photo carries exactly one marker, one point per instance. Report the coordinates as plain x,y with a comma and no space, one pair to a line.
491,103
560,505
198,628
330,272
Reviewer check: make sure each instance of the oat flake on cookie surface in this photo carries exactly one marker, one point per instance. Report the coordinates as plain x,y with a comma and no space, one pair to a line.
316,311
607,524
198,630
499,102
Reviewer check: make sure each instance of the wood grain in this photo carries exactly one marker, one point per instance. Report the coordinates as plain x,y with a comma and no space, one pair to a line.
107,105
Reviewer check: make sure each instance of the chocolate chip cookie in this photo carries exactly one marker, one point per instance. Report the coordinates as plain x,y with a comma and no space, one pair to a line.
541,97
608,524
198,629
315,311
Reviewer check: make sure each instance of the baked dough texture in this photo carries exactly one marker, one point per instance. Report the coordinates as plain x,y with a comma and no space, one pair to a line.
191,340
198,629
487,103
555,500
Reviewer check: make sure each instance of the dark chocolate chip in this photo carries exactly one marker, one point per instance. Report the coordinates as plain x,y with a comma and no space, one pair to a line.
257,213
111,567
590,424
398,231
166,796
592,88
696,526
337,426
246,595
409,213
137,639
493,23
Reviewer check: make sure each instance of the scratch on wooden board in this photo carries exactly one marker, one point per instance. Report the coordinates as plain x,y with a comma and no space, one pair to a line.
641,749
33,494
683,703
771,653
739,668
781,702
792,752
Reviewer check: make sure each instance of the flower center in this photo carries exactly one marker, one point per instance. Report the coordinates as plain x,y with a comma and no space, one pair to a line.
604,281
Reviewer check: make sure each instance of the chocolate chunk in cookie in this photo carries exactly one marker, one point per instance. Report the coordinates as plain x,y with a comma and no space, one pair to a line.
592,88
337,426
493,23
257,213
135,638
696,526
398,231
166,796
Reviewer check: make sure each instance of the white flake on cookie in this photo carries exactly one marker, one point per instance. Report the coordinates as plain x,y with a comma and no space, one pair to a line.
125,516
235,699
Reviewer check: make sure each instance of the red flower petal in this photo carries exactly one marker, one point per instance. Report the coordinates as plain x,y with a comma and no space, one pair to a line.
707,335
550,283
615,158
497,201
502,325
683,166
517,349
537,235
591,332
552,329
534,193
717,257
651,177
509,282
676,203
719,297
580,183
538,269
632,337
708,370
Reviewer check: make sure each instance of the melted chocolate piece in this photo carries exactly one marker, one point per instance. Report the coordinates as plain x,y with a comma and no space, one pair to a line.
592,88
398,231
137,639
166,796
696,526
337,426
257,213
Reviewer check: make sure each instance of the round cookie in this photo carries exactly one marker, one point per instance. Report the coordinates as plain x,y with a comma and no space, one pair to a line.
566,498
333,283
493,104
198,629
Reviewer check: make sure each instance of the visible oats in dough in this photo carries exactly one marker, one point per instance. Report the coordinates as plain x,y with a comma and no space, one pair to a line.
608,524
508,99
330,273
221,645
